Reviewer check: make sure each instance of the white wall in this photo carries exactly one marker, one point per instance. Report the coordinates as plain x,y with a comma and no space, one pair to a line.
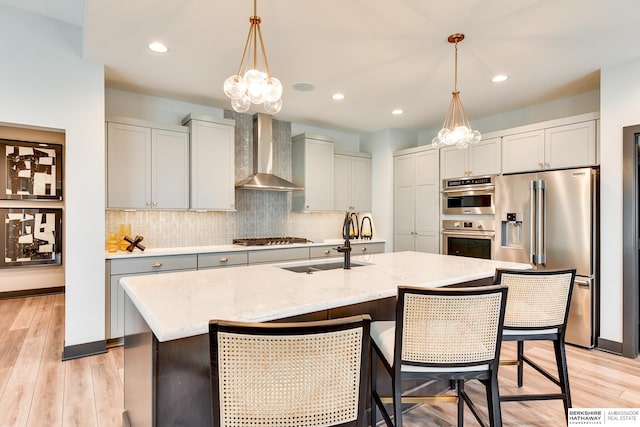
619,107
153,108
344,141
45,83
170,111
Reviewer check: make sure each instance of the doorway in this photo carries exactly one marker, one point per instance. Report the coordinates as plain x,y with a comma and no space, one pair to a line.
630,241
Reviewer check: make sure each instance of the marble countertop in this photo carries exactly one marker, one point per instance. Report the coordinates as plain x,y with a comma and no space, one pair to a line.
181,304
224,248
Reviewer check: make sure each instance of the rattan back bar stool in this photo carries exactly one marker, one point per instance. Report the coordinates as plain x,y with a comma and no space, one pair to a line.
441,334
304,374
537,309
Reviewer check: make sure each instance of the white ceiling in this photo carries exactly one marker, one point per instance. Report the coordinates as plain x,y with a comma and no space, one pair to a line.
382,54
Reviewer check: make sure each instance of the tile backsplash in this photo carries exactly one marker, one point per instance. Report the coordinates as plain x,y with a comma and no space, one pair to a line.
258,213
165,229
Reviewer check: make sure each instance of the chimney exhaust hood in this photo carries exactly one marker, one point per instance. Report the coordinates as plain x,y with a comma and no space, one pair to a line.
263,177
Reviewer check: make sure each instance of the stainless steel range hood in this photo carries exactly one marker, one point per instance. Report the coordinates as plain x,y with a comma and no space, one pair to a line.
263,177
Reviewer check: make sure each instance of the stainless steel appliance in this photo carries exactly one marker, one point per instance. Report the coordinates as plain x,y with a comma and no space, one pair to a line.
466,196
550,220
267,241
472,238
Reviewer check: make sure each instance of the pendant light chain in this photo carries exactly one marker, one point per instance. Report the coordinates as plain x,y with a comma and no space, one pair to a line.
455,78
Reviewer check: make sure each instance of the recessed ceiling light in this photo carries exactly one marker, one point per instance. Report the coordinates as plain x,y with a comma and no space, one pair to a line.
337,96
158,47
397,112
304,86
499,78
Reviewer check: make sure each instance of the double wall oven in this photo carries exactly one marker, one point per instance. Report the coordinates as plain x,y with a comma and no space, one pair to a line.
468,224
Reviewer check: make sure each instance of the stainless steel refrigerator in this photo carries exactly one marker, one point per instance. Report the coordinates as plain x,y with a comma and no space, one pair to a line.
550,220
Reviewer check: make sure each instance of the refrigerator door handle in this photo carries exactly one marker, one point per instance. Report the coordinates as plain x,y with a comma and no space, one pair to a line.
542,222
532,228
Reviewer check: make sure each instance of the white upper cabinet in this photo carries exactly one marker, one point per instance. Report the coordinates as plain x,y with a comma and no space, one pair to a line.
523,152
565,146
570,145
454,162
352,182
478,159
212,162
312,169
147,166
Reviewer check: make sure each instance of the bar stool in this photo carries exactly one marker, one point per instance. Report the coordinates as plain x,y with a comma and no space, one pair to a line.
304,374
441,334
537,309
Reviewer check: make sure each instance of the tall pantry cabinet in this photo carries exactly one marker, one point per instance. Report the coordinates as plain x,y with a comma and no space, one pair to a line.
417,200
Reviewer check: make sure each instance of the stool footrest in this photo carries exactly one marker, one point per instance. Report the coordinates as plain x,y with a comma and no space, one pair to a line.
526,397
422,399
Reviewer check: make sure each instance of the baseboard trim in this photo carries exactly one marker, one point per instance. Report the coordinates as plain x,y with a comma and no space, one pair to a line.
83,350
31,292
609,346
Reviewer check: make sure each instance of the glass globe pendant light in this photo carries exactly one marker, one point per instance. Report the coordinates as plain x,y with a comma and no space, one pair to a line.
456,129
253,86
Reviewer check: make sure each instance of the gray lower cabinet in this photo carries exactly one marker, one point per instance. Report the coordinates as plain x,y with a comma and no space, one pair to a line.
119,268
357,248
361,248
278,255
222,259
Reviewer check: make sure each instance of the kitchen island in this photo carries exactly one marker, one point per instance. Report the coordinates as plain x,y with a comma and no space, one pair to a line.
167,317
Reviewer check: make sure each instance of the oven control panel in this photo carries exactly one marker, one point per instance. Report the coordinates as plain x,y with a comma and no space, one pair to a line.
455,224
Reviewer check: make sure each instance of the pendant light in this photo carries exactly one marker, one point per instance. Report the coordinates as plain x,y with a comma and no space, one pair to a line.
456,128
252,85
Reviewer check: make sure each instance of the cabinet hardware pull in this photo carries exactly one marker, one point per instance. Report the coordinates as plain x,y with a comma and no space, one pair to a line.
224,259
364,249
327,251
155,203
147,203
156,264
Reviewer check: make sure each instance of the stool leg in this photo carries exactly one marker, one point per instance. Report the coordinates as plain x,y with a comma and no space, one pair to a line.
374,388
563,374
460,403
493,400
397,401
520,362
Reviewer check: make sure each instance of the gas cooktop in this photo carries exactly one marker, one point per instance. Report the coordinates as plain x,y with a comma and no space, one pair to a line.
262,241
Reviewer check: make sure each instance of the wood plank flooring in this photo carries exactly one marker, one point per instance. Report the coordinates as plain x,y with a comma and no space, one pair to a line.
38,389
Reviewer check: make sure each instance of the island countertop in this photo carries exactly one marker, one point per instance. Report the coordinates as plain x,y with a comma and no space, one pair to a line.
181,304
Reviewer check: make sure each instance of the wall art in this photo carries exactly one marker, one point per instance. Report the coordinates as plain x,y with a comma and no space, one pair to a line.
30,236
30,170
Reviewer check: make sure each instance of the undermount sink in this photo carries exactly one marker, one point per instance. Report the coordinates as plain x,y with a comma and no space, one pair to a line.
312,268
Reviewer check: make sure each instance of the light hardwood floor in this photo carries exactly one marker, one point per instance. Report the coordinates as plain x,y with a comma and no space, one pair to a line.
38,389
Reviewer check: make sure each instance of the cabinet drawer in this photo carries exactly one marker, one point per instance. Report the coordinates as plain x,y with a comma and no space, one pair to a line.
153,264
275,255
367,248
324,252
222,259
